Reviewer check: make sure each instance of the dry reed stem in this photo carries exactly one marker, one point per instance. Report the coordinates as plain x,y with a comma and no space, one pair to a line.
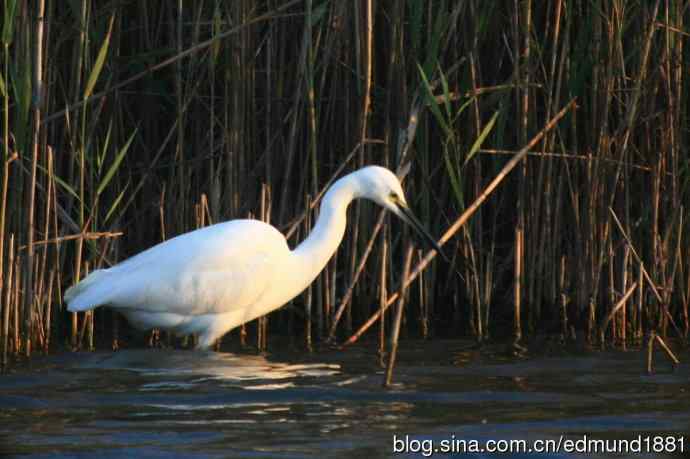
88,235
517,287
383,296
397,322
614,310
650,351
7,303
647,277
467,214
668,351
31,196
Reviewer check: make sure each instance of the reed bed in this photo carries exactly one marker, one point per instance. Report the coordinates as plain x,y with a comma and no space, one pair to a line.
125,123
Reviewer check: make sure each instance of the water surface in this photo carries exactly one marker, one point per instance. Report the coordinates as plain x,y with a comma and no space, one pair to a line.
186,404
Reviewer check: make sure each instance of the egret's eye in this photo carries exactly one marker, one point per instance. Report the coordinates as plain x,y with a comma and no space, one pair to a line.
394,197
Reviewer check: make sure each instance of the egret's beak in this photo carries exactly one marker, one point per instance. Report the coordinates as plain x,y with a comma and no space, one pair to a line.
406,214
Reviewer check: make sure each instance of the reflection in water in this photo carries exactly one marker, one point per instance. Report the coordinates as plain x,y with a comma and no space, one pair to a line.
153,403
213,365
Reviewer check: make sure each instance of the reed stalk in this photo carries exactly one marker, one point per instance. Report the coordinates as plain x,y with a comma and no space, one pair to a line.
397,322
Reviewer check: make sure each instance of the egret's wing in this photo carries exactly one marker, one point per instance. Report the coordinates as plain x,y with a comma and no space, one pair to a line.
216,269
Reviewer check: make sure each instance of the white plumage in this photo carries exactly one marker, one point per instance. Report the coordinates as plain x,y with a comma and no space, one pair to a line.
213,279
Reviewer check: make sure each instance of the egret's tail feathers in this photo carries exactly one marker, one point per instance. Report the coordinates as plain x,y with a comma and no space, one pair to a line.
89,293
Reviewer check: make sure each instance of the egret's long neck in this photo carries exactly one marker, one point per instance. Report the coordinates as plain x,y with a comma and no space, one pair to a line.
315,251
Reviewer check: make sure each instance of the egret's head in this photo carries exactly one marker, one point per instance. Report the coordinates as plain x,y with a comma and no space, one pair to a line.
383,187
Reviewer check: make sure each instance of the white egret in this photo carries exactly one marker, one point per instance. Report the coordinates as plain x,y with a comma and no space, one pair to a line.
213,279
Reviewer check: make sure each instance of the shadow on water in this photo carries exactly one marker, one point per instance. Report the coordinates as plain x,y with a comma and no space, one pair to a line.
159,403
